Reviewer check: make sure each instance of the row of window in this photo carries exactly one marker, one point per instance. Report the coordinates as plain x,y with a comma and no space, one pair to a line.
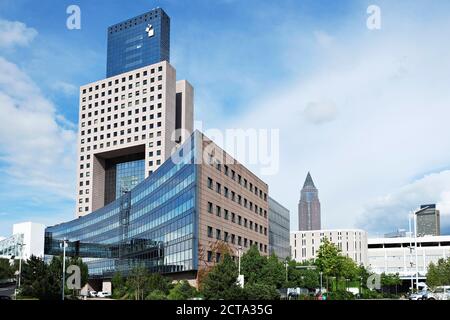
116,108
229,194
233,239
227,215
237,177
124,79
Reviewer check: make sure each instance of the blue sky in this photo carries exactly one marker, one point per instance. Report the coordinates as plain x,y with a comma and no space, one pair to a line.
363,110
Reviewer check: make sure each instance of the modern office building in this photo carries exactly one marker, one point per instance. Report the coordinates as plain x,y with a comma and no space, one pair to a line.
27,239
176,219
309,206
279,230
399,255
138,42
428,221
130,122
351,242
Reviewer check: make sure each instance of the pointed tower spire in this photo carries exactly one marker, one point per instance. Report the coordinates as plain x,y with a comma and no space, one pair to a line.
309,181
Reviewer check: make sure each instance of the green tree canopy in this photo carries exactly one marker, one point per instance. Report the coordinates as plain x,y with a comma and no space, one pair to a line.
6,270
221,281
182,291
439,273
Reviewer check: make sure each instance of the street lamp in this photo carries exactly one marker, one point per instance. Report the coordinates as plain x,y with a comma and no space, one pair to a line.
20,245
286,264
63,244
321,287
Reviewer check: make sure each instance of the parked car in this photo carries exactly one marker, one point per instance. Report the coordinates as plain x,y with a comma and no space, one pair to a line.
5,298
440,293
418,296
93,294
103,294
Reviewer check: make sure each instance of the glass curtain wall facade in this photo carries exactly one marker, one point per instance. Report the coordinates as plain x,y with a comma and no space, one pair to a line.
279,243
153,225
138,42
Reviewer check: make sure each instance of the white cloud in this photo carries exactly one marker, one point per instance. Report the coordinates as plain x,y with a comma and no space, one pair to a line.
37,144
320,112
392,124
323,39
66,88
15,33
391,211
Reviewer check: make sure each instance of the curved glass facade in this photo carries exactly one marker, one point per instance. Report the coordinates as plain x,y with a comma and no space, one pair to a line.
153,224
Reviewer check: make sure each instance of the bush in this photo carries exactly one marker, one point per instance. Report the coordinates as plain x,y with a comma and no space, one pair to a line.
259,291
340,295
182,291
371,294
156,295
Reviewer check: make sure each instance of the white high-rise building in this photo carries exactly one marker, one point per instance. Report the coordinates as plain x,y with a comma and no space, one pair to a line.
351,242
130,122
127,128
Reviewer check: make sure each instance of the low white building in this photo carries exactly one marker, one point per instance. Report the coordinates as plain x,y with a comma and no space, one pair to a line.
351,242
28,236
398,255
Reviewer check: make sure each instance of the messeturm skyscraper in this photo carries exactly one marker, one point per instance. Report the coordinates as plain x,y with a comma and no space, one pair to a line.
309,206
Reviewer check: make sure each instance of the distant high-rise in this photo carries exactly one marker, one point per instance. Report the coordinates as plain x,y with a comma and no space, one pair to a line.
428,221
309,206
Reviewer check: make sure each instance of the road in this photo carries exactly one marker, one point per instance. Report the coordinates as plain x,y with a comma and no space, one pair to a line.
7,290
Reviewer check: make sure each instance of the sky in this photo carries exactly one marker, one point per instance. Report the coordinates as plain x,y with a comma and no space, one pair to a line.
365,111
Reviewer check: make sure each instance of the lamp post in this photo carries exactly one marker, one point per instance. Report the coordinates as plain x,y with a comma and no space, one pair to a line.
64,245
321,286
286,265
411,215
415,249
239,260
20,245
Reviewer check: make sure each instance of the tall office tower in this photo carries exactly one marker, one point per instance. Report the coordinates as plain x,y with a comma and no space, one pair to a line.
138,42
199,204
279,230
428,221
128,122
309,206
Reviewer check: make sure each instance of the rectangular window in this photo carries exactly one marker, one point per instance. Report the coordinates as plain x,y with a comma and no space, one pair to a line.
218,234
210,183
210,232
209,256
218,211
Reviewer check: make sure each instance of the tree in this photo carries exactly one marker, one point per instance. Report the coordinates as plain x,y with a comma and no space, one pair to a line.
328,259
299,275
333,264
118,282
6,270
182,291
272,273
221,281
137,282
40,280
252,265
439,273
158,282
